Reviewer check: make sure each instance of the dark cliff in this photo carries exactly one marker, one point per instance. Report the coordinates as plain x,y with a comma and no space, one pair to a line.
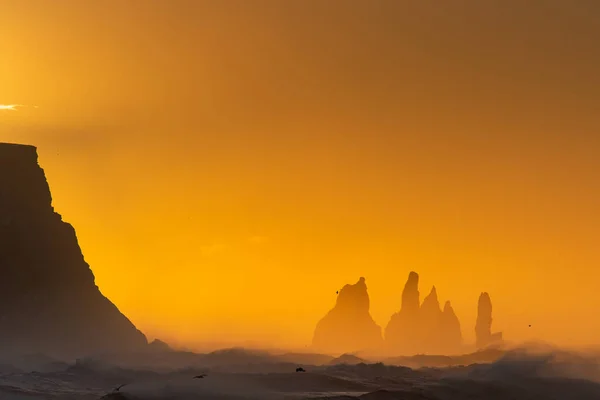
348,326
49,302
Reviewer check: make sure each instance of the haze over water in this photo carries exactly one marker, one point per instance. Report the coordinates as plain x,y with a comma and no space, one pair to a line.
230,165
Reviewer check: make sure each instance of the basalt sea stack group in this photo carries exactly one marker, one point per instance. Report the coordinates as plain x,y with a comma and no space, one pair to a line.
418,328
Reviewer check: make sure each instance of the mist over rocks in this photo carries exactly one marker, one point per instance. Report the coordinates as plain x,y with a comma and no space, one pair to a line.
348,326
49,302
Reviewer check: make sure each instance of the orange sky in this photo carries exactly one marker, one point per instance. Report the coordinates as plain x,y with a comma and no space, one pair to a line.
229,165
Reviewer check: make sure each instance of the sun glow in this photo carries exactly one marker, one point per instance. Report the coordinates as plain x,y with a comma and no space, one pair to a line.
11,107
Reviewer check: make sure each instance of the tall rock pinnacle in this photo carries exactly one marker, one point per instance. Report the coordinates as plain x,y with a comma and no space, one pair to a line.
403,332
483,325
49,302
348,327
410,294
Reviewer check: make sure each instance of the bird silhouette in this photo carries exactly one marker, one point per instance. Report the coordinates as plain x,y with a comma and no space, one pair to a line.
200,376
337,292
118,388
530,326
300,369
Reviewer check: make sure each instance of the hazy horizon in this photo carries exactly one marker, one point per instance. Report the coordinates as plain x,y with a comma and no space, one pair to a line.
228,166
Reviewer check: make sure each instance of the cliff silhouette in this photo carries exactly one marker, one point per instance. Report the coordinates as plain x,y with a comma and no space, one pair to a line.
348,326
423,328
49,302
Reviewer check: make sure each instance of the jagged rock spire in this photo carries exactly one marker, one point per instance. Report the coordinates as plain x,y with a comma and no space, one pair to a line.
431,304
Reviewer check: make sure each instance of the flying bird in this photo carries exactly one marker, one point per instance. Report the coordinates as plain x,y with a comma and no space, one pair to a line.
199,376
119,387
337,292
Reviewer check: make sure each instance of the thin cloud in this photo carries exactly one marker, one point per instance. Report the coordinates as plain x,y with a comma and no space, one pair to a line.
13,107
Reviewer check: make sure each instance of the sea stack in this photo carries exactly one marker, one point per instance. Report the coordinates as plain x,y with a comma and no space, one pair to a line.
410,295
450,326
403,332
425,328
49,302
483,326
430,324
348,327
